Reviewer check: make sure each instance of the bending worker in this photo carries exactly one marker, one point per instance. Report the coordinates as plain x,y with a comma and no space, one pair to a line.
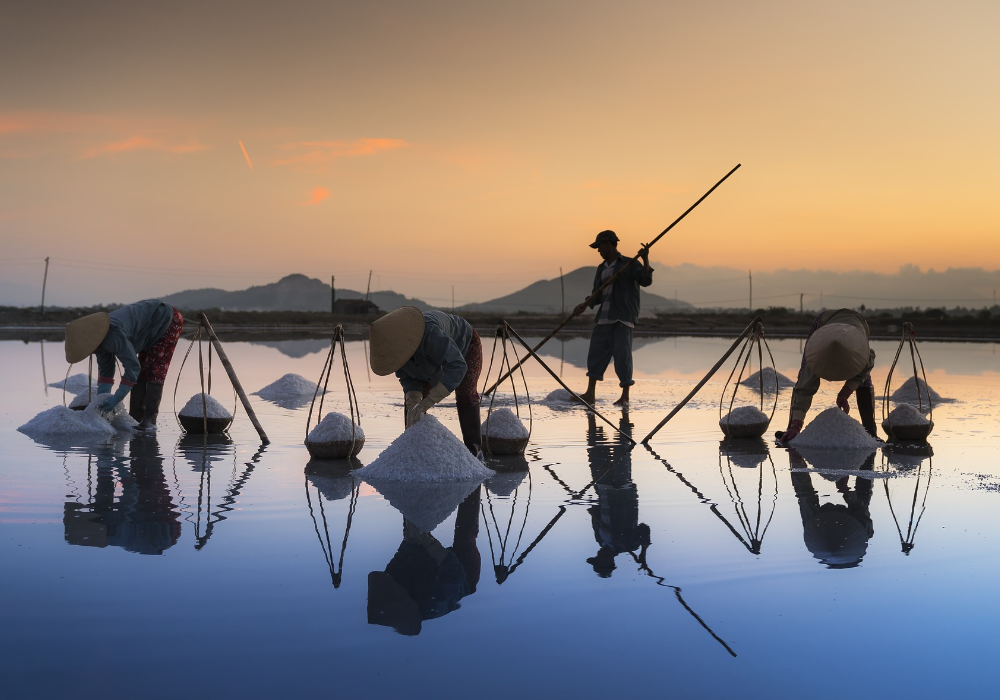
836,350
618,309
432,354
142,336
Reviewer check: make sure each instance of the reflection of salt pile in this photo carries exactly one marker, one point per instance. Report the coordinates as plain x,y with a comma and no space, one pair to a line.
915,390
288,385
336,427
212,408
77,384
61,420
748,454
840,461
834,428
426,505
768,376
905,415
426,452
504,483
333,488
503,423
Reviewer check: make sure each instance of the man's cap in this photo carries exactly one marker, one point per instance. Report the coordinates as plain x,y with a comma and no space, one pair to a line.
394,339
837,351
604,236
84,335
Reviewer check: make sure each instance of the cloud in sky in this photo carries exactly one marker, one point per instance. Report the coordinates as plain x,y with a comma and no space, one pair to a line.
318,154
317,195
245,154
141,143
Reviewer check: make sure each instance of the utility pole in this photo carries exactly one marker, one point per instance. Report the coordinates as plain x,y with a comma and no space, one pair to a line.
562,290
453,298
750,275
368,291
333,294
801,310
45,280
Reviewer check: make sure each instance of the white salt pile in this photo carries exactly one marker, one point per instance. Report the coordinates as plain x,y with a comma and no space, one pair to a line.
744,415
425,452
288,385
77,384
61,420
906,415
504,423
916,390
769,377
336,427
559,396
82,400
193,408
834,428
426,505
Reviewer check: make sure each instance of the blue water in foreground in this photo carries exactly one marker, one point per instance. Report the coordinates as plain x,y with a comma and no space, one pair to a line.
172,566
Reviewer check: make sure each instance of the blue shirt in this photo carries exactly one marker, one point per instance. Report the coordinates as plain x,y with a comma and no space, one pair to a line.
134,329
440,357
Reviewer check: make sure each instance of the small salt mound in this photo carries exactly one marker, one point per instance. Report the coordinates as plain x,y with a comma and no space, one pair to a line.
916,390
288,385
82,400
559,396
61,420
834,428
426,452
193,408
426,505
503,423
768,376
336,427
906,415
77,384
744,415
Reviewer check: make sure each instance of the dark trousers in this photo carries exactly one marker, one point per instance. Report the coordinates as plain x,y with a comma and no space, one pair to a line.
609,341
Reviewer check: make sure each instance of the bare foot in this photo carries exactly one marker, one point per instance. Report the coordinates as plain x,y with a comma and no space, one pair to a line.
623,401
588,398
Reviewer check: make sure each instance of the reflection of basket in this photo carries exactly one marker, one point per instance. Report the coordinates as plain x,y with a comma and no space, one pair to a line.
743,430
916,433
198,425
504,446
335,449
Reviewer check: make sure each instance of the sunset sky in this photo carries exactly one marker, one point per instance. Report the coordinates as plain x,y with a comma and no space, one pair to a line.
153,147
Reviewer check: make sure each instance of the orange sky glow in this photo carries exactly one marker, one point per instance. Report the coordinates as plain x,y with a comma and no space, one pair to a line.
482,145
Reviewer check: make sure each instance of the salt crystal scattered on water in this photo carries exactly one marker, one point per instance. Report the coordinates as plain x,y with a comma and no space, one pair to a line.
193,408
915,390
77,384
834,428
768,376
503,423
744,415
428,452
906,415
288,385
336,427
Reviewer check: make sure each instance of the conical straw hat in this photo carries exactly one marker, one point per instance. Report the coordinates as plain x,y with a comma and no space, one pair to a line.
84,335
837,351
394,339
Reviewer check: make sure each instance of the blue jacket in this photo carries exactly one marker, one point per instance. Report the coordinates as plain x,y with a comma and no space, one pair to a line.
440,357
624,291
134,329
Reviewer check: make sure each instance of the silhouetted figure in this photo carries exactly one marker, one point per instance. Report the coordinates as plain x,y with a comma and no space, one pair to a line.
836,533
142,520
426,580
615,518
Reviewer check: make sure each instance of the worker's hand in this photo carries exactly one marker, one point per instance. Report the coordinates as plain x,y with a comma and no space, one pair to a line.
793,429
842,402
415,414
644,253
411,399
420,408
109,402
580,308
103,388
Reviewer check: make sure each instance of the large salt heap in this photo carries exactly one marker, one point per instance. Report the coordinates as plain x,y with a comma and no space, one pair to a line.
769,378
835,429
90,422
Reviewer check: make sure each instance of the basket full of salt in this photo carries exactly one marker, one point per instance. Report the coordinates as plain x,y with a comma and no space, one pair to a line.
744,422
335,437
503,433
208,416
906,422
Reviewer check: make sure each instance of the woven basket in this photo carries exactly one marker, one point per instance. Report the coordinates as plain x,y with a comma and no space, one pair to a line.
504,446
913,433
197,425
334,449
743,430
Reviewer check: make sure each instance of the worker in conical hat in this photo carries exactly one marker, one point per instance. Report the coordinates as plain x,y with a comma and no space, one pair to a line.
432,354
837,349
142,336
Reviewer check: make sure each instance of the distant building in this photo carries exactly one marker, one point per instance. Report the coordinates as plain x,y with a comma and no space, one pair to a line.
354,307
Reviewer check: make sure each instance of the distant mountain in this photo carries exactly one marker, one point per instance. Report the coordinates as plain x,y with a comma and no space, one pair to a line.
545,296
291,293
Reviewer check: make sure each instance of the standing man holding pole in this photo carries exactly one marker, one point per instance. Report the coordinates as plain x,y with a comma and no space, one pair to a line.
617,311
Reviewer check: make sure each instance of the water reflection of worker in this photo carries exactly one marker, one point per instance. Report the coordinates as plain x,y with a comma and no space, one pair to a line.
836,349
425,580
615,517
836,533
142,520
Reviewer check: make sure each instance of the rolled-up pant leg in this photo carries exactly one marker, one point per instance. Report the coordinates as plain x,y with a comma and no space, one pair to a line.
601,350
621,348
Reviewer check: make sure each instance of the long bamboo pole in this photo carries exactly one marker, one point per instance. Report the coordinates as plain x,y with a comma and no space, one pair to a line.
233,378
746,331
611,280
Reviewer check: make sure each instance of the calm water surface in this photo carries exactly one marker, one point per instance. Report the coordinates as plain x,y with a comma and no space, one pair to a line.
169,566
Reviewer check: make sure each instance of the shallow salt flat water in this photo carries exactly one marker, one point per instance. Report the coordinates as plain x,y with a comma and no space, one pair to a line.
691,569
